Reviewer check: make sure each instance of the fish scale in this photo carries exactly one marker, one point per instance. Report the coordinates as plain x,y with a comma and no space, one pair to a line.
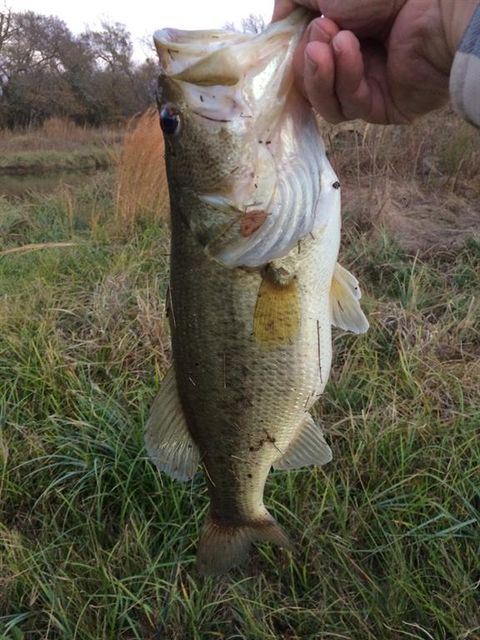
270,386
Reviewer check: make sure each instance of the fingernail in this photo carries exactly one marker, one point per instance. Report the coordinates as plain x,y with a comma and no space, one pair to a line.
336,45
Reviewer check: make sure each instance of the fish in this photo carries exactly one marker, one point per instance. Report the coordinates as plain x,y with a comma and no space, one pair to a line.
254,287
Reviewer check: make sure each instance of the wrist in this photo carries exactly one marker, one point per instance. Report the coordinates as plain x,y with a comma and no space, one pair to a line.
456,16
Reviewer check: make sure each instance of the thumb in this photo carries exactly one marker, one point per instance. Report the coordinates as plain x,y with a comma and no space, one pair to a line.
284,7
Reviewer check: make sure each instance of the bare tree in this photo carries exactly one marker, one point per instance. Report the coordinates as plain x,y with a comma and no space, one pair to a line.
47,71
253,23
112,46
7,31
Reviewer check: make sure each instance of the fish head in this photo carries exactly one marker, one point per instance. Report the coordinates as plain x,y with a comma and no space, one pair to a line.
218,92
233,121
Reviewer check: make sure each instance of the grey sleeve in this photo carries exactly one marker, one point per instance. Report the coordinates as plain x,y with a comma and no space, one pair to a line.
465,74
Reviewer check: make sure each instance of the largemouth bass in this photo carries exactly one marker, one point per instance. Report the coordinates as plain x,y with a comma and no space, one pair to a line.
254,281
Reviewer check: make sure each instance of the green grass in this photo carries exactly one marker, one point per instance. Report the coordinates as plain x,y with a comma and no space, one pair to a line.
94,543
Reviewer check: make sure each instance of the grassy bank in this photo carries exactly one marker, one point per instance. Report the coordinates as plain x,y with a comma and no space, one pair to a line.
58,145
52,161
94,543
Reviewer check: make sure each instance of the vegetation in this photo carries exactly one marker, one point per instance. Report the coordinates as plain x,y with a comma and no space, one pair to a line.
58,145
141,185
94,543
47,71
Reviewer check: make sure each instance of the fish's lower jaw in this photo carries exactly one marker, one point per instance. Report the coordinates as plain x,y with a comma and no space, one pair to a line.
223,547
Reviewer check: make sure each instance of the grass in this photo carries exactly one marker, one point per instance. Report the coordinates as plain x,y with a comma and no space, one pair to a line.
58,145
57,134
141,187
48,161
94,543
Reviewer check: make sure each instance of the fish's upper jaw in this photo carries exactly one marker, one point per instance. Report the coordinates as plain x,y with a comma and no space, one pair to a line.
213,58
226,77
179,49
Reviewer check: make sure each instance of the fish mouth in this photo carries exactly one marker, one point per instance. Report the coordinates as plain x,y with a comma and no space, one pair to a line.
228,77
179,50
217,57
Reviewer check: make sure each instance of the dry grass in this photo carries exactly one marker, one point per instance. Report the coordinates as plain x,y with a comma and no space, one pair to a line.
141,185
37,247
58,145
57,134
421,184
94,543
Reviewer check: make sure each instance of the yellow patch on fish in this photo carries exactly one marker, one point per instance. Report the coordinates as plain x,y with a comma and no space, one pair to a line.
277,312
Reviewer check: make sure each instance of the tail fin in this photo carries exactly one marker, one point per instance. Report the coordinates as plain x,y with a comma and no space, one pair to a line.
223,547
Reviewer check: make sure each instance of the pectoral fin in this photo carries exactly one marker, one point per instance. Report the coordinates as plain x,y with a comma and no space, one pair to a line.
345,297
308,447
167,439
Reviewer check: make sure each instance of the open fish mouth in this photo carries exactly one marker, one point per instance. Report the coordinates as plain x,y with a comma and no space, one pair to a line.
251,73
180,51
217,57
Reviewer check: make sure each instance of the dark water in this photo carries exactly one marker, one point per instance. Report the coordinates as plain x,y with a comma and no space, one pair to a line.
23,186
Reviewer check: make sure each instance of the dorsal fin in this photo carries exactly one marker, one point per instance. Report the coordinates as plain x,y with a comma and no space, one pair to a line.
167,439
345,297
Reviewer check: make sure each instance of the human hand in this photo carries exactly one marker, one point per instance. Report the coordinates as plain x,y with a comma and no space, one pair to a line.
385,61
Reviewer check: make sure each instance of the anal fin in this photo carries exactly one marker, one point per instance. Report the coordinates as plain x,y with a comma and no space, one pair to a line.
308,447
167,439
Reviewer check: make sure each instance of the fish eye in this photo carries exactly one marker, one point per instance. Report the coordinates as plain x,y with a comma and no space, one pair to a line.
169,120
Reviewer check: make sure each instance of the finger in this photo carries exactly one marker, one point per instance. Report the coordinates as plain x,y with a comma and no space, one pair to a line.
362,84
320,81
384,108
319,30
322,29
284,7
351,86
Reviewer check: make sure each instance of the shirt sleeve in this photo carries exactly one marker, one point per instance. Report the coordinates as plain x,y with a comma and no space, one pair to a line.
465,74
